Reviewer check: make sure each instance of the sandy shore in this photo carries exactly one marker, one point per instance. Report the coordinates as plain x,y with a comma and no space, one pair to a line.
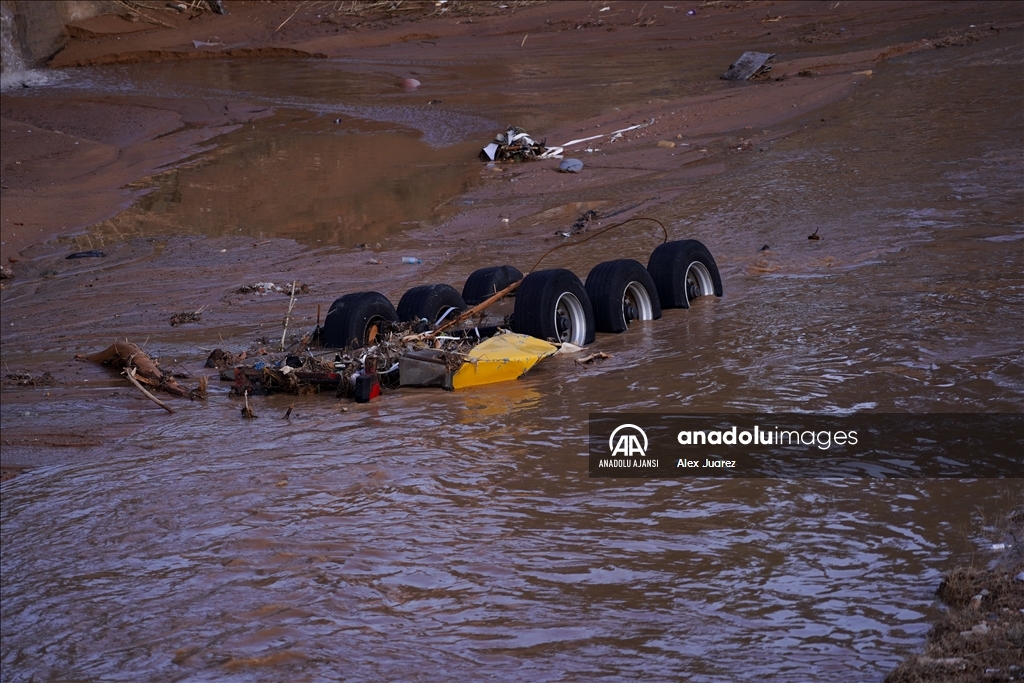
68,163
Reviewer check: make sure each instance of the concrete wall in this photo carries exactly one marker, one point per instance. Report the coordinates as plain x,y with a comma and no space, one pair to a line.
39,24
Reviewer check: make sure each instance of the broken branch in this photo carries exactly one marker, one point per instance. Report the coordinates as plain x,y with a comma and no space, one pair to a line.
470,312
130,374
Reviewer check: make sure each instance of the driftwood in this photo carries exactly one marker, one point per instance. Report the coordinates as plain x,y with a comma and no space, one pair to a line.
124,354
130,374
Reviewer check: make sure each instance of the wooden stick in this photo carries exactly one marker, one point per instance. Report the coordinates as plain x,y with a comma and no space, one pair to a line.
293,14
288,315
130,373
470,312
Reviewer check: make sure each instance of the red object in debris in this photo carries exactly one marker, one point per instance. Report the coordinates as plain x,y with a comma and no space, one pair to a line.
367,388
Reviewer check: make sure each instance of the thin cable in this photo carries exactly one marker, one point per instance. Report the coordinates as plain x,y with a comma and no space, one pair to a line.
601,232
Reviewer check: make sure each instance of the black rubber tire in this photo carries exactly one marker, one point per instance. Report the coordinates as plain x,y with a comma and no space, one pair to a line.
537,300
668,267
351,318
429,301
486,282
607,284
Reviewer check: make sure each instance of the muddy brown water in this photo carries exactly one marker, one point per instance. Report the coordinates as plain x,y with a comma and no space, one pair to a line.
437,536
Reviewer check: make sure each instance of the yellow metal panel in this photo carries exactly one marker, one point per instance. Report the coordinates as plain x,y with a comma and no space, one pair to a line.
501,358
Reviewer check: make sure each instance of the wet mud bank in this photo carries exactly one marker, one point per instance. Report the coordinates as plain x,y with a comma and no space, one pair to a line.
980,635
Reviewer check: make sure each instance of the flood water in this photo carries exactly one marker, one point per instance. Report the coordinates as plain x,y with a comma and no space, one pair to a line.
443,536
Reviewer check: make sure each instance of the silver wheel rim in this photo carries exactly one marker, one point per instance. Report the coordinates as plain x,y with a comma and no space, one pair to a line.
570,320
636,303
698,281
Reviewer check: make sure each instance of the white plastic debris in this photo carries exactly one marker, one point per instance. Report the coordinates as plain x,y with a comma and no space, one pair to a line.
490,150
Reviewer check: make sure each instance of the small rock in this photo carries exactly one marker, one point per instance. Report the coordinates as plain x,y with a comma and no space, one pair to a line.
571,166
6,272
666,143
765,248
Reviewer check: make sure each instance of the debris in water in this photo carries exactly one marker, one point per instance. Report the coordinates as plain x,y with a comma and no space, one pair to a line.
25,379
749,65
92,253
410,84
125,354
221,359
187,317
765,248
814,235
582,222
600,355
247,412
129,372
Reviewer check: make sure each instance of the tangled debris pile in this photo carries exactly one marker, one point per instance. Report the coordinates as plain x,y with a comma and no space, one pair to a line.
140,369
749,65
300,371
515,144
27,379
187,317
264,288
